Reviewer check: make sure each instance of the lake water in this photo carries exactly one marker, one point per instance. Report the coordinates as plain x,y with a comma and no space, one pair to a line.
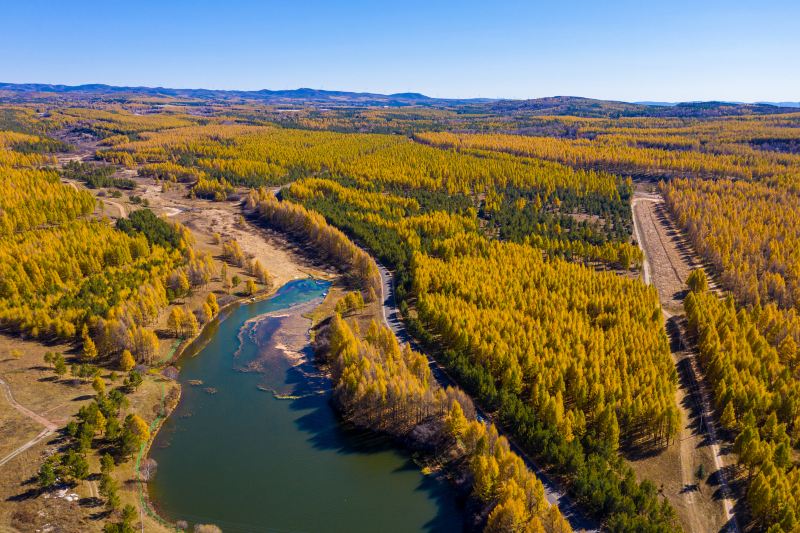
258,447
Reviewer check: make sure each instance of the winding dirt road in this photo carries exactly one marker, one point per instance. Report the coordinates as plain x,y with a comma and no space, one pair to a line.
85,153
668,261
120,208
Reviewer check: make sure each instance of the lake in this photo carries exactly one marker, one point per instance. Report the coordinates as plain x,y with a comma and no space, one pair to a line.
255,445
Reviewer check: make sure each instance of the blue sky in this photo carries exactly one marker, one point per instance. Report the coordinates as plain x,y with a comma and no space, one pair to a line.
622,50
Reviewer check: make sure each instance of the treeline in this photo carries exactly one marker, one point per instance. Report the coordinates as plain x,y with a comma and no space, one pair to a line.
752,363
25,119
96,176
395,223
55,281
34,197
392,225
115,120
327,241
635,154
11,156
360,170
402,121
254,156
389,388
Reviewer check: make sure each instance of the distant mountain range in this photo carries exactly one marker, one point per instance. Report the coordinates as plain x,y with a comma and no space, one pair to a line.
782,104
303,95
556,105
587,107
776,104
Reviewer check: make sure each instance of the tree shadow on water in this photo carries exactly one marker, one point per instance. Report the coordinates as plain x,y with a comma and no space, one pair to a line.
327,431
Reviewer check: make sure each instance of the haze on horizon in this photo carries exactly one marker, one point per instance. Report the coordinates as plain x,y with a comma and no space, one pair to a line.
676,51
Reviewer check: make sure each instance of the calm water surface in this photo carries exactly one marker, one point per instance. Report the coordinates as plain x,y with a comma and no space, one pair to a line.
236,456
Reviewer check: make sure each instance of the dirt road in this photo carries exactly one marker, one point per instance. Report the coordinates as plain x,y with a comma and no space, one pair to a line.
120,208
42,435
49,427
85,151
555,494
668,262
24,410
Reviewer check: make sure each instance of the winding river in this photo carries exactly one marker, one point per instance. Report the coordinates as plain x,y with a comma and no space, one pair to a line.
254,444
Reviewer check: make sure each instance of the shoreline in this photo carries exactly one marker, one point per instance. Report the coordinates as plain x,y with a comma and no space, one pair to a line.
147,505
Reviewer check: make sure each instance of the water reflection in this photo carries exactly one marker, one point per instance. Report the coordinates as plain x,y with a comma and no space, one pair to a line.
247,460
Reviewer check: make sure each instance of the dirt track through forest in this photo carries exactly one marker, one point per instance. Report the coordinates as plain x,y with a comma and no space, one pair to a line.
82,155
668,262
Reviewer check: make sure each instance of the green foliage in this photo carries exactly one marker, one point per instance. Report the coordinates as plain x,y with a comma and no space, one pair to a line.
96,176
125,525
46,477
74,465
41,145
157,230
133,380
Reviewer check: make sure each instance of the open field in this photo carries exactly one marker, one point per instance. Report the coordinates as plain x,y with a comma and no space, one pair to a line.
35,387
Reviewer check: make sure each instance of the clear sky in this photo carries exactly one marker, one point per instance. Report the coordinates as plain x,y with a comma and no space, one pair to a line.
625,50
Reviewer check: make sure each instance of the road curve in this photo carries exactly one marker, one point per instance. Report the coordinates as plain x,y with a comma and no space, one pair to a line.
119,206
42,435
554,494
24,410
49,427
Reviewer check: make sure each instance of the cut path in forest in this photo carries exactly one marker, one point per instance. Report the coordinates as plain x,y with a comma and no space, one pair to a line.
668,261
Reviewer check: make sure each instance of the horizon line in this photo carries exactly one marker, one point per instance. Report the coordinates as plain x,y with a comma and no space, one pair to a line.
400,93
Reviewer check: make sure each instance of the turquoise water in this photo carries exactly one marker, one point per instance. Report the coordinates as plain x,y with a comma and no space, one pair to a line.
236,456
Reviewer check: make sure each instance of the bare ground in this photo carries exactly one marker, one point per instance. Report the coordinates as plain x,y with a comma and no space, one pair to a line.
283,260
33,404
701,505
279,256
